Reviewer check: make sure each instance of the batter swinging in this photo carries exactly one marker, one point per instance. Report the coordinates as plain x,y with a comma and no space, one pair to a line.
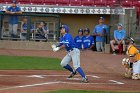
67,42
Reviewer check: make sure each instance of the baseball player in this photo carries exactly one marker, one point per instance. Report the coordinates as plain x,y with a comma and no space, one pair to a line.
73,54
100,31
88,41
13,19
79,39
134,57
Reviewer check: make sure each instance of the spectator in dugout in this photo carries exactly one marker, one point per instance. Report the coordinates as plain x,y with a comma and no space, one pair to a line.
79,39
42,31
13,19
23,35
88,41
100,31
119,36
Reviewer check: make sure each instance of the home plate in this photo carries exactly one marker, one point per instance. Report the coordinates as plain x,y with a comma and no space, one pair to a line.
36,76
73,78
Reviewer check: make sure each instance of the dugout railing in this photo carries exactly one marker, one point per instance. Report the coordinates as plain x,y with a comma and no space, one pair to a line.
52,22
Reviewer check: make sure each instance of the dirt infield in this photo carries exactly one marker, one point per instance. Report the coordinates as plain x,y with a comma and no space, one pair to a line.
103,70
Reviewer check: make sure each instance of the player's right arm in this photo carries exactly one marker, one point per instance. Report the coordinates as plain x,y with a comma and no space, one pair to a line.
8,10
94,32
92,42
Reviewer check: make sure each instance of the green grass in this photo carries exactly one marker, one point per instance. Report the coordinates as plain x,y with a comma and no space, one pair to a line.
85,91
29,63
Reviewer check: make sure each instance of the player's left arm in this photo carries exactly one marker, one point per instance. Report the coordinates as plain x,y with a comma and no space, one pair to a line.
124,35
95,31
18,11
106,30
57,47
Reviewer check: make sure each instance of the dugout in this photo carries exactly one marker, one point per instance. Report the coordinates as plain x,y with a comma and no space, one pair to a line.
52,22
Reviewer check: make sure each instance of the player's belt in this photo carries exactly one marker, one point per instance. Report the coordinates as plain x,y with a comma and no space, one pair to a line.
70,50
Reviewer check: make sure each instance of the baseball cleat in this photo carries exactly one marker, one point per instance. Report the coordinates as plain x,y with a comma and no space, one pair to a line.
135,76
72,74
84,80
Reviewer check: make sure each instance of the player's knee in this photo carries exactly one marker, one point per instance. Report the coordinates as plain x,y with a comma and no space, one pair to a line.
111,42
63,64
75,67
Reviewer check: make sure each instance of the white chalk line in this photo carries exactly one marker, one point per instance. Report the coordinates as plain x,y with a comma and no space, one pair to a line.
61,82
73,83
32,85
116,81
43,76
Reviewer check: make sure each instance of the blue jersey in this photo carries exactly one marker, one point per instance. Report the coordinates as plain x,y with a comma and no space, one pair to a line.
67,41
99,30
24,26
88,41
119,34
78,41
13,19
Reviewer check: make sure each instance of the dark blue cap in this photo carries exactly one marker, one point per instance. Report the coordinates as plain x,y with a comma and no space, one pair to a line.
65,27
80,30
87,30
14,1
102,18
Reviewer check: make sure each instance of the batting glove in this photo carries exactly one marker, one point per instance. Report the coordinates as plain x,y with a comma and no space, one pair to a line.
56,49
53,46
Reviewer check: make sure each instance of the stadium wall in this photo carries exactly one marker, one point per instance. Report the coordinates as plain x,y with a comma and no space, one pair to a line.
25,45
81,21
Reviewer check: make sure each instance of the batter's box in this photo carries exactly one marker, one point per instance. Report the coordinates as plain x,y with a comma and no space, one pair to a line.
93,79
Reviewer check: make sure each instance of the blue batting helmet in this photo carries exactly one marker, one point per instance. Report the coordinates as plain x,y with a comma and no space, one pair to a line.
65,27
87,30
80,30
